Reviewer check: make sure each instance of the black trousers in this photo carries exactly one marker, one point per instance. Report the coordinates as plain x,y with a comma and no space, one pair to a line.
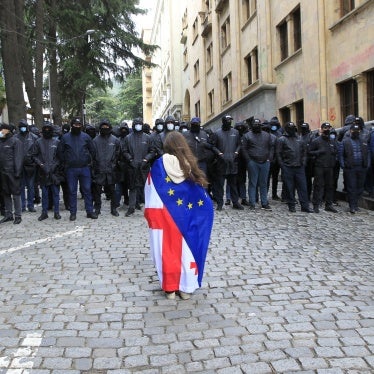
97,190
323,185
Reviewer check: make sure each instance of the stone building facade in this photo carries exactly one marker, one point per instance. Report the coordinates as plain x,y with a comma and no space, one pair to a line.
300,60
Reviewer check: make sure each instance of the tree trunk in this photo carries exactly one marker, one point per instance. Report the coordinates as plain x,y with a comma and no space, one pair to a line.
53,75
26,59
39,51
12,63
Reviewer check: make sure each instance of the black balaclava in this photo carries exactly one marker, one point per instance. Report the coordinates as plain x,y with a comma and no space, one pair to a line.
47,132
304,128
355,131
195,127
290,129
124,131
77,129
226,123
256,126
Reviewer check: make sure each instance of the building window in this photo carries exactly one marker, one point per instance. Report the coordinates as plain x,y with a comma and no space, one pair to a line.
226,88
251,64
185,58
299,112
197,109
248,8
289,31
346,6
296,29
225,34
195,29
348,98
196,72
370,90
283,40
285,114
209,56
211,102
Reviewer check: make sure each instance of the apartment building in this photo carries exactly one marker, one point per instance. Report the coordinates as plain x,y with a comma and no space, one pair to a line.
300,60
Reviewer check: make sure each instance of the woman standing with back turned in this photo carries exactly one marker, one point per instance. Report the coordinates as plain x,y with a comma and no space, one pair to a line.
180,217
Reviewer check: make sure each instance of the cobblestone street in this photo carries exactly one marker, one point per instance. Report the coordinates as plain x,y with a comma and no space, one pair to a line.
282,293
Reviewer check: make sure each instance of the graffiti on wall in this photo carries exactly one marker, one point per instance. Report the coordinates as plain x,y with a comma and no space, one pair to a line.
345,68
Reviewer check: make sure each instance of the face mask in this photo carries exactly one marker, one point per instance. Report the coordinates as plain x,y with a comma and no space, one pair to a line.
105,131
47,134
138,127
226,126
124,133
170,126
159,128
176,128
355,134
304,131
256,129
22,129
326,132
76,130
332,136
274,128
291,131
195,127
184,129
1,134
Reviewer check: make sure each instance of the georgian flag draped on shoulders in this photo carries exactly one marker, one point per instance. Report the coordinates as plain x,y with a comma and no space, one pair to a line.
180,219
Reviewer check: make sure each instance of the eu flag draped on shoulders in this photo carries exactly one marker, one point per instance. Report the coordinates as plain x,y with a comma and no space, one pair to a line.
180,220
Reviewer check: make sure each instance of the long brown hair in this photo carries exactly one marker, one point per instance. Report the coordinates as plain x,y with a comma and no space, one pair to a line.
175,144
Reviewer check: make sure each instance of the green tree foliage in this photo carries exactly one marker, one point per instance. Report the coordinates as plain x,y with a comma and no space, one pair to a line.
131,96
76,61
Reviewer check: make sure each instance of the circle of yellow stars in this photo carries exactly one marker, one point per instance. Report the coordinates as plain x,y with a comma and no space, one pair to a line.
179,200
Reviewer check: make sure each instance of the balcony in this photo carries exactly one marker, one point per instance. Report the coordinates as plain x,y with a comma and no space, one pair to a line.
183,36
206,24
220,5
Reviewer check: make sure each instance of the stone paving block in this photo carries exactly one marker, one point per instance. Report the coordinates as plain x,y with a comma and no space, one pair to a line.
57,363
285,365
107,363
346,363
257,368
83,364
313,363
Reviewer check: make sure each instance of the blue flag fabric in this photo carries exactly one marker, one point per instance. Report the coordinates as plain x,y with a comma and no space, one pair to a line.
191,208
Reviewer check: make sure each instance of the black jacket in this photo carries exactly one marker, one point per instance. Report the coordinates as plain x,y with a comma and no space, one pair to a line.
11,164
291,151
44,154
257,147
324,152
228,143
198,143
137,147
27,139
76,151
107,152
348,153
